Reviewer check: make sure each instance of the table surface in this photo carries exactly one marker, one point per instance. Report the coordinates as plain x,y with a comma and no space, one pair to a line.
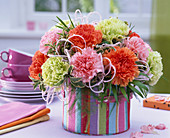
53,128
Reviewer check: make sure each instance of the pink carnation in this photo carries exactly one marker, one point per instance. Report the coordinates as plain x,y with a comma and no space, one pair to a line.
139,47
149,129
87,64
49,38
136,135
161,127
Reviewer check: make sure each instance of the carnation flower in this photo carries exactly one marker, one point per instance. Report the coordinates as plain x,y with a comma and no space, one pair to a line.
88,32
87,64
161,127
136,135
37,61
132,34
138,46
124,61
154,61
113,29
53,70
149,129
49,38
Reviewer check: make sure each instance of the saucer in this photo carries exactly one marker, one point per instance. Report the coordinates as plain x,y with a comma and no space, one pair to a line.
11,81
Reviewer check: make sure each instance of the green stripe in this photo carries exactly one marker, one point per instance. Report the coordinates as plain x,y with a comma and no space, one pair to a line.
102,119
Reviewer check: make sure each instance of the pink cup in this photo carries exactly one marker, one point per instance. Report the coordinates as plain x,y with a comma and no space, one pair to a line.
16,57
16,72
30,25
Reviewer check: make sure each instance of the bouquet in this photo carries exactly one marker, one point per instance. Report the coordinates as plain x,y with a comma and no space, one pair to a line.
105,56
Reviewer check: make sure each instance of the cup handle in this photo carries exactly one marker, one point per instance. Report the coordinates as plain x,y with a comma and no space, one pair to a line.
2,56
9,73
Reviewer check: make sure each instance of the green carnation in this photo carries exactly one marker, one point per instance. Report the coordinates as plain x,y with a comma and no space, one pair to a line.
113,28
155,63
53,71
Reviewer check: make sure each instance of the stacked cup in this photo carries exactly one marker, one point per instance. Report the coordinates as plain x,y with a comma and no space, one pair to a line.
15,84
17,67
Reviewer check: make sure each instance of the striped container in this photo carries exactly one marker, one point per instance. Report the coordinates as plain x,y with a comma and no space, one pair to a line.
97,122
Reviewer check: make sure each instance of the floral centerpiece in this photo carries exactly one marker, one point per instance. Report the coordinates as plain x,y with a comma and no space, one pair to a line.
94,68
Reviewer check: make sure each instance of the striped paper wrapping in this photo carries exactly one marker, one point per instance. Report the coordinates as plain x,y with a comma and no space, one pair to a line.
110,118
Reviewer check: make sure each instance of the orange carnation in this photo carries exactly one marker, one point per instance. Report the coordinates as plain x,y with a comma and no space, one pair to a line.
124,61
88,32
37,61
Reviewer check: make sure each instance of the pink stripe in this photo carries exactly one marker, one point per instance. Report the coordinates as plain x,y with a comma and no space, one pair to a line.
107,118
71,116
128,114
121,117
84,116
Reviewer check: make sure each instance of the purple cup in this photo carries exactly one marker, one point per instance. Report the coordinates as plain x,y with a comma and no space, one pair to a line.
16,57
16,72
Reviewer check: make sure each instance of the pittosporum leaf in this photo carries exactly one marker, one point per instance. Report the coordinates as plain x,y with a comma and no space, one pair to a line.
75,80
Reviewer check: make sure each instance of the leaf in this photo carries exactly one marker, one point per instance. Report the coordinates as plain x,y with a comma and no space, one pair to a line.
36,85
40,86
72,105
54,44
115,93
110,89
70,20
75,80
70,69
135,90
143,92
143,74
140,85
32,78
50,51
122,89
59,83
132,27
59,27
107,42
100,51
60,34
79,84
113,48
55,21
111,110
43,87
39,75
128,92
47,45
62,22
67,30
126,22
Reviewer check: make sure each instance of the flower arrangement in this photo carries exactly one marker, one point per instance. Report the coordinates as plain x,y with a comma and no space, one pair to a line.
105,57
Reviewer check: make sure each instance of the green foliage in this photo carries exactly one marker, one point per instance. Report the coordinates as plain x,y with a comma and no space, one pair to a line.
52,49
115,93
122,89
70,20
39,83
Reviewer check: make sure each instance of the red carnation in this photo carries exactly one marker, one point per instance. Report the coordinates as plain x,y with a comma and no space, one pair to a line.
132,34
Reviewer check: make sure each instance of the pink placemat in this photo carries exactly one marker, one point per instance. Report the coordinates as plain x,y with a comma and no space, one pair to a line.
16,110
